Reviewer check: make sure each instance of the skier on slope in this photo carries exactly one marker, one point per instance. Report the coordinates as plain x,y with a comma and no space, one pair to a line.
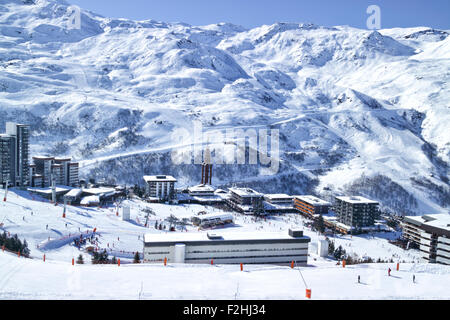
389,272
359,279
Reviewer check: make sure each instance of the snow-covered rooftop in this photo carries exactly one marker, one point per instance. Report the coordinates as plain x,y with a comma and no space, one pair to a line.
201,188
313,200
100,190
440,220
226,236
74,193
159,178
357,200
46,158
279,196
59,189
90,200
221,215
245,192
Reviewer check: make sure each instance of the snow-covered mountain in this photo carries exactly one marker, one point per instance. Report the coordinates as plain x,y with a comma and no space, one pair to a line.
359,111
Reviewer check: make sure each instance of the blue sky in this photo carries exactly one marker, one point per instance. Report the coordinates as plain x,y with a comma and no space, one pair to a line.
251,13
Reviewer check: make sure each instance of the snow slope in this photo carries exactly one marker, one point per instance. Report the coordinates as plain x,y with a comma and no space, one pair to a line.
58,279
28,216
348,102
63,281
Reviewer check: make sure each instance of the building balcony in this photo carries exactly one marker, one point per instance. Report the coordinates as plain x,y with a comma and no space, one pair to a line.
443,260
444,240
443,253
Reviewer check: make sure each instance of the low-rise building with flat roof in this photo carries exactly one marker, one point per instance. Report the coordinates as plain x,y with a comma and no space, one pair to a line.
202,190
278,198
227,247
245,200
311,206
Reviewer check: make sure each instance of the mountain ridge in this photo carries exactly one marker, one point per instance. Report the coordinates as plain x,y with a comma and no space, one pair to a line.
347,101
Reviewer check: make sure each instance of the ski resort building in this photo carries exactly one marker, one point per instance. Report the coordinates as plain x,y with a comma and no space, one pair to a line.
100,196
245,200
69,174
63,171
278,203
432,234
47,193
356,212
160,188
278,198
73,196
202,190
201,194
7,157
227,248
14,154
42,167
212,220
311,206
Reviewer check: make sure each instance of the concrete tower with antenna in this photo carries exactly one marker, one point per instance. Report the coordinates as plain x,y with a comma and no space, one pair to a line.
207,168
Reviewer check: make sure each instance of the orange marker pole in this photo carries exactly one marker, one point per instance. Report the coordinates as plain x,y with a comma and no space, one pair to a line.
73,261
292,265
398,266
242,267
308,293
344,263
165,261
44,257
118,262
212,262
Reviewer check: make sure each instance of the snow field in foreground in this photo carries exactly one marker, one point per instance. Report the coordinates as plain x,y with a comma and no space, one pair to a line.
32,279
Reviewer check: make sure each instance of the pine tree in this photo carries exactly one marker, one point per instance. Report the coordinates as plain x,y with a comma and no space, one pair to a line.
3,238
80,259
24,250
319,224
100,258
137,258
331,248
258,207
339,253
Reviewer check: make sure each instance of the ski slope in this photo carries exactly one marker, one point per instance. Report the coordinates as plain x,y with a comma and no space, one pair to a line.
56,278
33,279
